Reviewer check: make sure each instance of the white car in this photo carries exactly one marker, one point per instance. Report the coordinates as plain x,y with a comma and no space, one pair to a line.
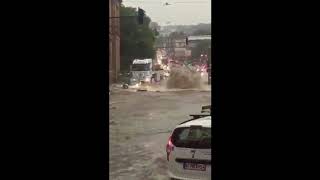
189,150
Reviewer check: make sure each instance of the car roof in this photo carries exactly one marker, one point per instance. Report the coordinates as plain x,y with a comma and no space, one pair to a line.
205,122
142,61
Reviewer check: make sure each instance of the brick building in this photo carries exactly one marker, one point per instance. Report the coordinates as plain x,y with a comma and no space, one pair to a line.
114,40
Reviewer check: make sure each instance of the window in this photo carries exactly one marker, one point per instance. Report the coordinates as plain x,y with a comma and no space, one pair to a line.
141,67
192,137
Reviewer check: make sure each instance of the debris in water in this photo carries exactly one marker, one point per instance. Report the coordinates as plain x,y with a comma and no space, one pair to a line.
125,86
183,78
142,90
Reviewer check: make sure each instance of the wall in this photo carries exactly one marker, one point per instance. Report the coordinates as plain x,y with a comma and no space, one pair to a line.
114,40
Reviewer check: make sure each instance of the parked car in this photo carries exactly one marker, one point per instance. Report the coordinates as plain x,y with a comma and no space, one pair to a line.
189,149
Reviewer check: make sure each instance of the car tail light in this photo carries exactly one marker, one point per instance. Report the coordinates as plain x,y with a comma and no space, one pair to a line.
169,148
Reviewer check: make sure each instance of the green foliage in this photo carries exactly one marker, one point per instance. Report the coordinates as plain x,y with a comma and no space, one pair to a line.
189,29
177,35
202,32
137,41
161,40
156,33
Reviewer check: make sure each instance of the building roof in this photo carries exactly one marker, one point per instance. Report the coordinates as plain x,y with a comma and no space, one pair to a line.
195,38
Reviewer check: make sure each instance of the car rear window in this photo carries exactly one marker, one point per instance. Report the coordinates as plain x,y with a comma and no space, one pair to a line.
192,137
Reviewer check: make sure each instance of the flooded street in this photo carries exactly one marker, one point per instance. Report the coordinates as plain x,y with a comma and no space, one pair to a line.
140,124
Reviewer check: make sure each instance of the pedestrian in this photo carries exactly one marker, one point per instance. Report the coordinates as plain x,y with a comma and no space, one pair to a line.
153,77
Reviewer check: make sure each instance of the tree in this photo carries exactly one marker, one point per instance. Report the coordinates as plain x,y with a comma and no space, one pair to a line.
137,41
161,40
177,35
154,26
202,32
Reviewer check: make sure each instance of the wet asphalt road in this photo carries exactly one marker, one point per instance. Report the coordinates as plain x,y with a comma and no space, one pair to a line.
140,124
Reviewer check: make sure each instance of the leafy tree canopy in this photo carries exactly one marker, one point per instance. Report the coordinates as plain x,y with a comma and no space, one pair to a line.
136,40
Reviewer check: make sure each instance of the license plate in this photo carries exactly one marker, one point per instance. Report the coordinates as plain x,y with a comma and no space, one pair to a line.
194,166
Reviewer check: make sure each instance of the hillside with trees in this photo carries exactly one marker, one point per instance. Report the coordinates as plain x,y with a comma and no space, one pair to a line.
199,29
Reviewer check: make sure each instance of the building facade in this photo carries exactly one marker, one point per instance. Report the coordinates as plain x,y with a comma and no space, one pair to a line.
194,40
180,49
114,40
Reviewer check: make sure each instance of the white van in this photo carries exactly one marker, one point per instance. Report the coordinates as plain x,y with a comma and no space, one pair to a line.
141,70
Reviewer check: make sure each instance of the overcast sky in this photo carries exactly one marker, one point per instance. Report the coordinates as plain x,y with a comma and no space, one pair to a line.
180,12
